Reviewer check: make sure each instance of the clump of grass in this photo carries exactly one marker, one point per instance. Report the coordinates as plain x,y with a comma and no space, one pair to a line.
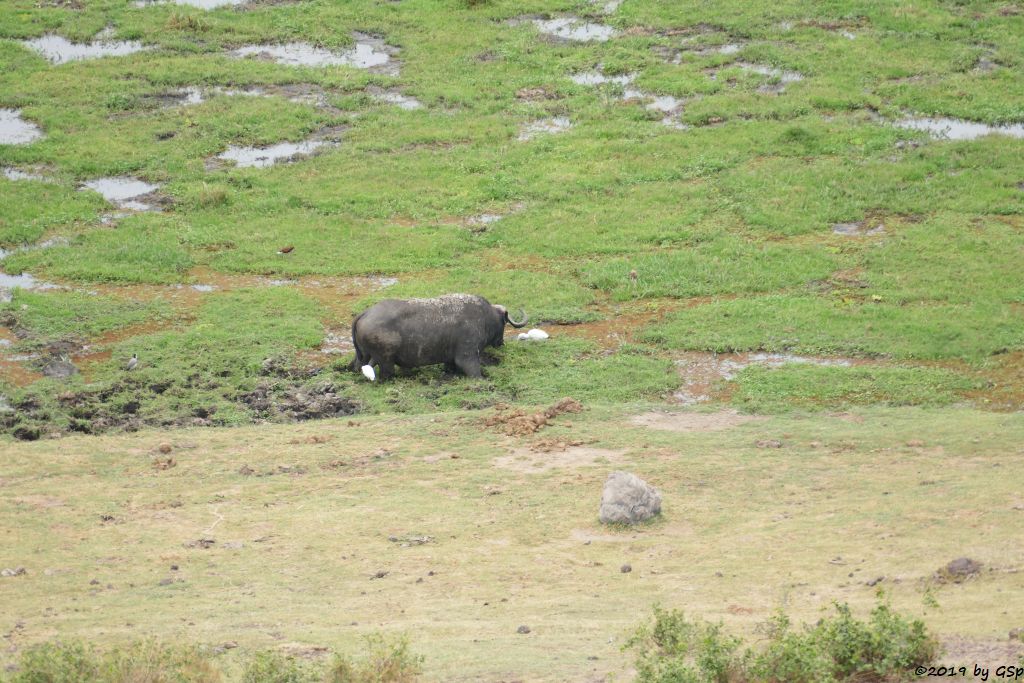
185,22
839,648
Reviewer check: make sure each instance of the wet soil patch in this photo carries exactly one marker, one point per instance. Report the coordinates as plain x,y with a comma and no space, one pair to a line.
14,130
297,403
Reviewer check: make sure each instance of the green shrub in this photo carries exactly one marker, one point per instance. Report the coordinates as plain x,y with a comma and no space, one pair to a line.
57,662
271,667
154,662
385,661
388,661
840,648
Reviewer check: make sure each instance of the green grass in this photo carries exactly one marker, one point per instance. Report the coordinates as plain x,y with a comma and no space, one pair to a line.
741,202
546,296
760,389
56,314
715,264
814,325
515,537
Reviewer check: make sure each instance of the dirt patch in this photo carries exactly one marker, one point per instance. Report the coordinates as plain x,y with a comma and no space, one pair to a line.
617,329
587,536
39,502
528,461
693,422
704,374
516,422
957,651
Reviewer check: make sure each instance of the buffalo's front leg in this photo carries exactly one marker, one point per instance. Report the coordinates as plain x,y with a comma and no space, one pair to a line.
469,364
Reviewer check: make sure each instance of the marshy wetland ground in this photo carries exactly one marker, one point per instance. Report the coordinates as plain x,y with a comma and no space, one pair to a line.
793,224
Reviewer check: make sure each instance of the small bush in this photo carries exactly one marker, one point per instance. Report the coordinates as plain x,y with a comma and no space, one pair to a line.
840,648
270,667
389,661
153,662
57,662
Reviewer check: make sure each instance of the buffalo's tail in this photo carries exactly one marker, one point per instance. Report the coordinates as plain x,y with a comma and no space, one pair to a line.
360,360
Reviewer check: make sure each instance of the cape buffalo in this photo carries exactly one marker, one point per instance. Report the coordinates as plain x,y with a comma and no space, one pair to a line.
451,329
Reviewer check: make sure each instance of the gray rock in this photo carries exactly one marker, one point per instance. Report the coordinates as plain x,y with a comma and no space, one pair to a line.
628,499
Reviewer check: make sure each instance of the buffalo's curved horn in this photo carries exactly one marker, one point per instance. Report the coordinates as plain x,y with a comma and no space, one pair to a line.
521,323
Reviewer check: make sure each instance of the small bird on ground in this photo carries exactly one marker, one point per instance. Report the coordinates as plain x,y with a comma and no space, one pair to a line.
633,276
132,362
369,373
285,250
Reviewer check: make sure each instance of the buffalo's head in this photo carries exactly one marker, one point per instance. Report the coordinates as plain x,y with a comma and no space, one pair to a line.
499,336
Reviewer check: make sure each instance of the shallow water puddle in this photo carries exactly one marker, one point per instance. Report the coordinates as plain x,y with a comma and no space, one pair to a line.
394,97
609,6
369,53
666,104
599,78
486,218
261,157
575,29
14,130
45,244
857,229
779,77
201,4
701,371
59,50
559,124
959,129
123,192
23,281
16,175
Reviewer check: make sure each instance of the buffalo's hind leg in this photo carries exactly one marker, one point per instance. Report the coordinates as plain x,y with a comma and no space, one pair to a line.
469,364
387,369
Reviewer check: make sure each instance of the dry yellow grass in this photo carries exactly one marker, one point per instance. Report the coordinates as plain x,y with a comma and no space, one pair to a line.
301,517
